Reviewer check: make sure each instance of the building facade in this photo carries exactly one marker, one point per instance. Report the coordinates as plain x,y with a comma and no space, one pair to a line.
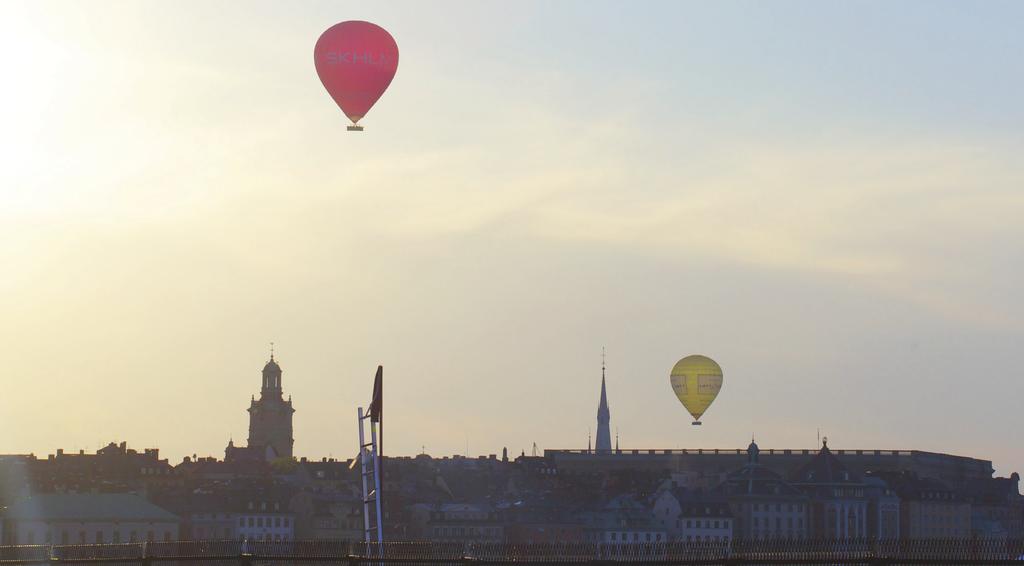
997,508
950,469
475,522
838,503
883,510
212,525
705,520
929,508
87,518
762,503
265,519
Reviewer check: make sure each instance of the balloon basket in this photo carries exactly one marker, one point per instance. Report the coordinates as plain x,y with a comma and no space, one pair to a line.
354,128
696,423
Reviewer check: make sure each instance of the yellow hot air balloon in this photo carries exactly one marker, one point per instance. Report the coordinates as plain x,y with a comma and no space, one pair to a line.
696,380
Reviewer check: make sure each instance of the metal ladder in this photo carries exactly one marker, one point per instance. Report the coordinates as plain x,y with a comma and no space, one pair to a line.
370,471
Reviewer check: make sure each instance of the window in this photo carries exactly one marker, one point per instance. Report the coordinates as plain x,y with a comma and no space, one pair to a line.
252,522
277,521
241,521
259,521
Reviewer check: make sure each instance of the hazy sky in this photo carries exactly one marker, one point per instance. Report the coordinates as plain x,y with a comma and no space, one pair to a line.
827,198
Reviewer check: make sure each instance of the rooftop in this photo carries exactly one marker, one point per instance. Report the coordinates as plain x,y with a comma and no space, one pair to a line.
87,507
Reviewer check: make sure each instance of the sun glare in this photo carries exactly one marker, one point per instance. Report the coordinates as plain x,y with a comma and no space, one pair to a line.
43,76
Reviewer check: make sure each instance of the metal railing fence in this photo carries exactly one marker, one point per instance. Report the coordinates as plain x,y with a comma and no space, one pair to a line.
735,552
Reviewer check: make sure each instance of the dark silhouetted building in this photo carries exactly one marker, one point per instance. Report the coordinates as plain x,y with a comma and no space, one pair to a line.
838,503
270,421
762,503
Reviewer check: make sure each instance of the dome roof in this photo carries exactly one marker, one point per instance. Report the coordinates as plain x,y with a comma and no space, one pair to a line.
272,367
824,468
754,479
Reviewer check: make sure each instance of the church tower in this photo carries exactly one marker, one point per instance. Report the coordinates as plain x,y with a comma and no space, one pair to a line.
270,417
604,417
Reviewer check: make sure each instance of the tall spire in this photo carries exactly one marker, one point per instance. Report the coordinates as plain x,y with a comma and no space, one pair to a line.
604,394
604,437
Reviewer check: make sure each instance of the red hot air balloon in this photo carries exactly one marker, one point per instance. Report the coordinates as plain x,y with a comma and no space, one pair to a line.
356,62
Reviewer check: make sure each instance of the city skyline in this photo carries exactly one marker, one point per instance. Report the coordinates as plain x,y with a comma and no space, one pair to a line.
271,440
823,199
